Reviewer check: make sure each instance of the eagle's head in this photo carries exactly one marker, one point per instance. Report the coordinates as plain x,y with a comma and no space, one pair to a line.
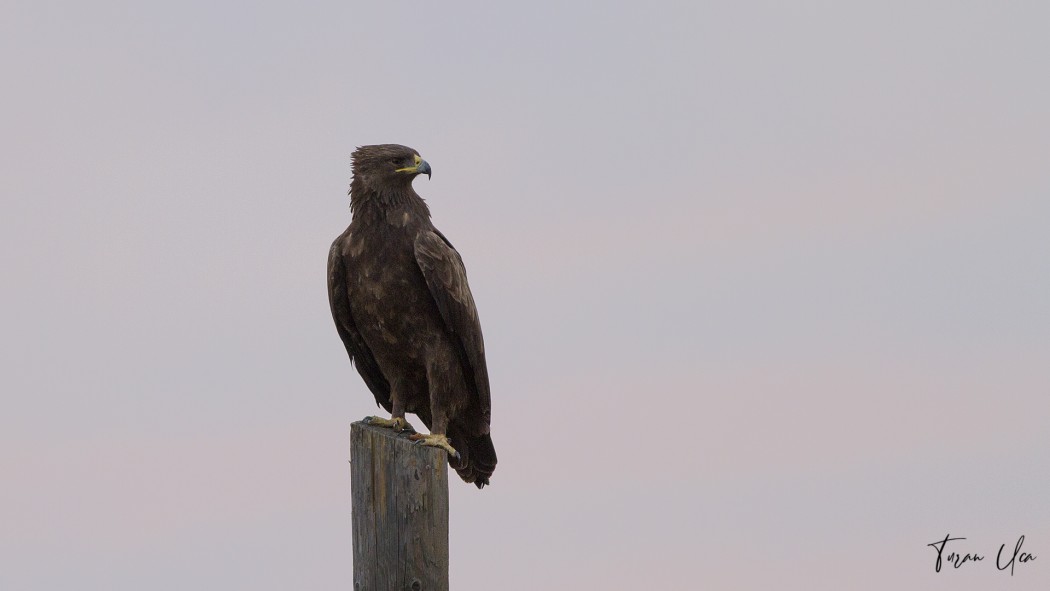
386,167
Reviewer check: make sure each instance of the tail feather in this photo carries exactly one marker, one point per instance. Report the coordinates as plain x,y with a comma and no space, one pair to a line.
477,459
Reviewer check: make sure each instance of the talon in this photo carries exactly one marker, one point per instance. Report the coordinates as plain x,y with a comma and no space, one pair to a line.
398,424
435,441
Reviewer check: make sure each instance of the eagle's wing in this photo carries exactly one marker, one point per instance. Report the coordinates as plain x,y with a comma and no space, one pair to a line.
447,279
339,299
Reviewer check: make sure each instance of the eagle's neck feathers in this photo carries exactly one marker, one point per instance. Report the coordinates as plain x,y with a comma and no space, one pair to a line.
366,201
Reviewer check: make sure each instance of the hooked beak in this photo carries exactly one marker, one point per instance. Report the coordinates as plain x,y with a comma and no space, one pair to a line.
423,168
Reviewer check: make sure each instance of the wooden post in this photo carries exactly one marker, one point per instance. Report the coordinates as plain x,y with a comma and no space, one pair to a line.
400,512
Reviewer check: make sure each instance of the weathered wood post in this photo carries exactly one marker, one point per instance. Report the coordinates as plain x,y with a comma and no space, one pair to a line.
400,512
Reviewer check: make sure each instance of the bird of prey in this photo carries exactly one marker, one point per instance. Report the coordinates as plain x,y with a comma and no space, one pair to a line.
401,304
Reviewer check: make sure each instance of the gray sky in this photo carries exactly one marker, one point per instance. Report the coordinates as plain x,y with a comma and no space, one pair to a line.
764,287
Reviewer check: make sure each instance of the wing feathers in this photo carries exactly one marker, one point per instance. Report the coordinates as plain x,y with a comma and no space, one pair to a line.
339,299
446,277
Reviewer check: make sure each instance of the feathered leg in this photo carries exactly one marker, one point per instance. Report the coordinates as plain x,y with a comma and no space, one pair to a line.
437,436
397,420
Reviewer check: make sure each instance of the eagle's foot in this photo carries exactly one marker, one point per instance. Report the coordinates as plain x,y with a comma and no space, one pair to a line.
435,441
398,424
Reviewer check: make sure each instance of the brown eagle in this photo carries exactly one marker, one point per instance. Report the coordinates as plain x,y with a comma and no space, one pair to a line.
402,306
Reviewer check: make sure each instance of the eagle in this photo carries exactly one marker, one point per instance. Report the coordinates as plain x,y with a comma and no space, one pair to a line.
402,307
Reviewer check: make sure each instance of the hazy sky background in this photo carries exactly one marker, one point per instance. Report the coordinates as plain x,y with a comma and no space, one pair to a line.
764,287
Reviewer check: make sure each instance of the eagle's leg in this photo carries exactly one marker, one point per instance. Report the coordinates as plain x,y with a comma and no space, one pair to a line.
437,436
396,421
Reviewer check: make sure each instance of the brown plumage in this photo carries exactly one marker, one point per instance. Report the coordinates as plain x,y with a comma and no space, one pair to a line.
402,306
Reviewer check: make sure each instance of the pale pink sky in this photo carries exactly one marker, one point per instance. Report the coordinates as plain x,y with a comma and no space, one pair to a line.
764,287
